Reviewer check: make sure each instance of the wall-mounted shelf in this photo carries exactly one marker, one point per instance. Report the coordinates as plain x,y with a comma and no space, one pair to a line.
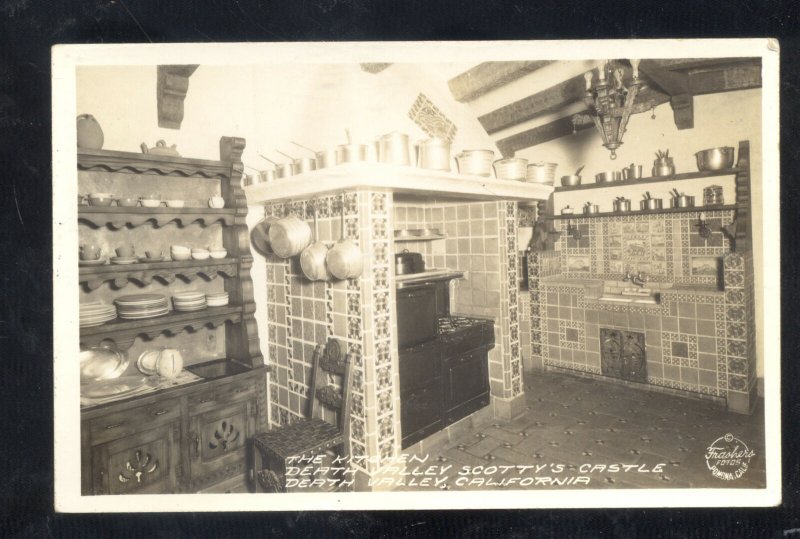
653,179
145,272
697,209
124,332
118,217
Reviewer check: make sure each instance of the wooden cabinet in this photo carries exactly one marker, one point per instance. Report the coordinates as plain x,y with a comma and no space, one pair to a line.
184,439
146,462
191,437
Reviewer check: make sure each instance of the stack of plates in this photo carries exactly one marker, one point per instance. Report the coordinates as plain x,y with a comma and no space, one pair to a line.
189,301
137,306
217,299
96,314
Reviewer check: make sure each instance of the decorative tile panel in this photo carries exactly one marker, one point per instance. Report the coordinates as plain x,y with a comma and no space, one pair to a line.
428,117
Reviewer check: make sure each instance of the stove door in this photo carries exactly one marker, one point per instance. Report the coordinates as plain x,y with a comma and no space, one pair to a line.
416,315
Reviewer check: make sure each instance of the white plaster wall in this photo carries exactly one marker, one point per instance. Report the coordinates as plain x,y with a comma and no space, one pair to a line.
719,120
271,105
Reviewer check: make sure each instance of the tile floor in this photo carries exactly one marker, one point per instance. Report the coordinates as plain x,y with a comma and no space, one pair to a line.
578,423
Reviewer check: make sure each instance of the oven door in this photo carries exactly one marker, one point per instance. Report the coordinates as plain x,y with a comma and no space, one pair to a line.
417,320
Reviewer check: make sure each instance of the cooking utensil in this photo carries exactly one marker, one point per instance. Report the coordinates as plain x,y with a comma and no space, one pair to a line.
434,154
651,203
324,158
715,158
393,148
259,236
165,362
622,204
542,173
117,388
301,165
312,259
572,180
475,162
407,262
289,236
632,172
683,201
511,169
590,208
344,259
608,176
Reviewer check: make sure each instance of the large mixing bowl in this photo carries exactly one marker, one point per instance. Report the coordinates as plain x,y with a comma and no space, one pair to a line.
715,158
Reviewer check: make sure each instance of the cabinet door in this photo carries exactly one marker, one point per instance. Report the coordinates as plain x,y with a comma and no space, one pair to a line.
143,463
421,412
466,384
218,443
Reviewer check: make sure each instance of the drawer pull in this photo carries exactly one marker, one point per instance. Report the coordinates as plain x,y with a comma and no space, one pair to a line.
160,412
113,426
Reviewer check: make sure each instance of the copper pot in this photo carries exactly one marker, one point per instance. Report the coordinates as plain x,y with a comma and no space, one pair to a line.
289,236
312,259
344,259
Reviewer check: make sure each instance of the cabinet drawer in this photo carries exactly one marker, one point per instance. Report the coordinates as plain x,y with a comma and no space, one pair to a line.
482,335
127,422
224,394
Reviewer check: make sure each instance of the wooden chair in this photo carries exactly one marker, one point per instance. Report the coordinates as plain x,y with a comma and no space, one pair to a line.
314,435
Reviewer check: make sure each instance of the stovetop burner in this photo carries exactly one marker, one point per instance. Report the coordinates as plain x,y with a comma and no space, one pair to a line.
452,324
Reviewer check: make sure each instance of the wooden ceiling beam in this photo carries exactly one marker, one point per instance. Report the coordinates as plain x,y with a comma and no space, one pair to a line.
675,84
489,76
171,87
546,101
725,80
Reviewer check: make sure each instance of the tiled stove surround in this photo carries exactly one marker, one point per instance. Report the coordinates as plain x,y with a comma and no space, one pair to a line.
359,312
698,339
481,240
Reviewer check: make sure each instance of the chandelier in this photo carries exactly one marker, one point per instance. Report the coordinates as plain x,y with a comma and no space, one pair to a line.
610,102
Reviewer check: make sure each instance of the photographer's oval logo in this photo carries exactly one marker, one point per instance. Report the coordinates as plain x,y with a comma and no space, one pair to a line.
728,457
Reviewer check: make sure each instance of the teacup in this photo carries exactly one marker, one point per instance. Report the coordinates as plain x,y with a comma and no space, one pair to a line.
216,202
154,254
90,252
125,251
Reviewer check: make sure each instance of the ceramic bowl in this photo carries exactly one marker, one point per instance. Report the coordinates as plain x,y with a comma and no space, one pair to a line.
181,256
218,253
100,199
200,254
180,249
175,203
151,202
128,202
216,202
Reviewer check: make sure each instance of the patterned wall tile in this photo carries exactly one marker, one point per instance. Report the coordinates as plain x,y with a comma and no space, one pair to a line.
428,117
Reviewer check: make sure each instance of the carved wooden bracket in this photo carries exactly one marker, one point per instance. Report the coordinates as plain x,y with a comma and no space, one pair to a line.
172,85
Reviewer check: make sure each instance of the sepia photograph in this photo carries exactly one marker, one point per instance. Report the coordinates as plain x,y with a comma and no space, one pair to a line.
406,275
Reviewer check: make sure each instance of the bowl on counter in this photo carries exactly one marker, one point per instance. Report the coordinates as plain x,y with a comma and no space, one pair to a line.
217,253
175,203
570,181
715,158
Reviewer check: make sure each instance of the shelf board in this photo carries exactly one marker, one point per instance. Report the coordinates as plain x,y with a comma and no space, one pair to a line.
697,209
401,180
653,179
420,238
145,272
123,332
118,217
141,163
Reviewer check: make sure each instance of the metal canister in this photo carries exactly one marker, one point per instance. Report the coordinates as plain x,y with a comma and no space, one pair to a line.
393,149
434,154
622,204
